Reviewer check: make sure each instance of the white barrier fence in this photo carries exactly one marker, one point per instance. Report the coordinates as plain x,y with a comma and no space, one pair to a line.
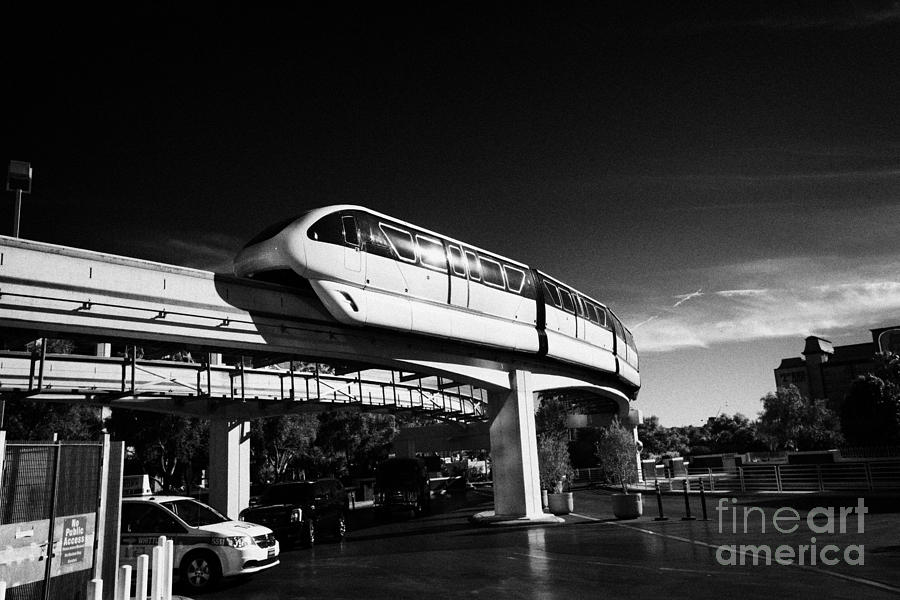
155,571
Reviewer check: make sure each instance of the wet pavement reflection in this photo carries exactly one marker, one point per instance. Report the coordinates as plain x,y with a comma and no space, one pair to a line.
443,555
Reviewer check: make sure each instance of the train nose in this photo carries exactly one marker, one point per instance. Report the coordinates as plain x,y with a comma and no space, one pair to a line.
258,258
294,249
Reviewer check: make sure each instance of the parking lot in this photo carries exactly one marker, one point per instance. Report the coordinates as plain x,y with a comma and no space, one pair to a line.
443,555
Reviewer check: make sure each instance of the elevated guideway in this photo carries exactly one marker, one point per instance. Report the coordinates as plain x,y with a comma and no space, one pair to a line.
48,290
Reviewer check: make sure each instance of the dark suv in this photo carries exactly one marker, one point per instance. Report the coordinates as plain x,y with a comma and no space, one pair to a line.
301,511
402,483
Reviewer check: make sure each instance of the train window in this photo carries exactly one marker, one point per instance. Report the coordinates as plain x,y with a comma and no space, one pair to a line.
457,260
372,238
528,287
617,325
629,339
601,316
567,300
589,312
431,253
327,229
579,306
493,273
552,294
474,266
401,241
515,277
270,232
351,235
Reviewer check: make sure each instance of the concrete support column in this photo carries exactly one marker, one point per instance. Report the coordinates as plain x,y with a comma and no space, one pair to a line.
517,492
105,413
635,418
229,466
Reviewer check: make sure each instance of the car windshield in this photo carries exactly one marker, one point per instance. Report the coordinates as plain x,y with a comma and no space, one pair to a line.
290,493
195,514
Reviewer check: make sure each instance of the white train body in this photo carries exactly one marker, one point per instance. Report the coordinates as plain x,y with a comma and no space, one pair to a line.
369,269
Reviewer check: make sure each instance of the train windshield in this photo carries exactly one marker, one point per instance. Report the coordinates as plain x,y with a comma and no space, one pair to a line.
272,231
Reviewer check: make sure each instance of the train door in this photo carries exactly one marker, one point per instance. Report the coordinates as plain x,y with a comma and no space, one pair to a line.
581,318
352,248
387,247
567,323
428,284
458,294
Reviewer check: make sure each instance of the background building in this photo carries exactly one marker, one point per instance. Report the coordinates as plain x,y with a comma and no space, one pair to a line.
826,371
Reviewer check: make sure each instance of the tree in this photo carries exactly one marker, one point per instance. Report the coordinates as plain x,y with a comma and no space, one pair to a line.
616,453
40,420
552,416
736,433
871,412
554,459
791,422
169,448
352,443
279,444
662,441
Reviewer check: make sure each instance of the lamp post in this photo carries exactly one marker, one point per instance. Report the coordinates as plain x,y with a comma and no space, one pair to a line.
18,180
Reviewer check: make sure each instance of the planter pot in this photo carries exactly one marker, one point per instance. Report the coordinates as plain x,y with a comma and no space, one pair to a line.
561,504
544,500
627,506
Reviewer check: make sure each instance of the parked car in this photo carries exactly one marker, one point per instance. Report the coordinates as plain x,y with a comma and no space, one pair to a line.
299,512
402,483
208,545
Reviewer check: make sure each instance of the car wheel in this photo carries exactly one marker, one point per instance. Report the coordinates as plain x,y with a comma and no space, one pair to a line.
200,571
340,526
309,534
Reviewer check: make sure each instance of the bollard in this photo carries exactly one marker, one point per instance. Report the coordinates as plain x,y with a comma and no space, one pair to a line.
143,575
170,558
659,504
123,584
687,502
703,501
156,573
95,589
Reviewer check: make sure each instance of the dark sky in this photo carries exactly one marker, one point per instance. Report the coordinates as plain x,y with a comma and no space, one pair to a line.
723,174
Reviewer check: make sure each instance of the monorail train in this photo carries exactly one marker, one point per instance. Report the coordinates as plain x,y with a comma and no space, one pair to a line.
373,270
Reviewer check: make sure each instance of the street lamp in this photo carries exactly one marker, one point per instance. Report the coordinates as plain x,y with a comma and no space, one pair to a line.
18,180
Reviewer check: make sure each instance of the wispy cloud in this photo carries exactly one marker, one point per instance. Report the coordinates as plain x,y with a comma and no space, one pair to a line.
834,175
810,296
682,298
739,293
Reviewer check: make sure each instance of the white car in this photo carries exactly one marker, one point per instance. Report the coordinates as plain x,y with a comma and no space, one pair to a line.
207,544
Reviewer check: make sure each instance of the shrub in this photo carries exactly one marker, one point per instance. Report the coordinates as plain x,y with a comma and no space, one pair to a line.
554,467
616,454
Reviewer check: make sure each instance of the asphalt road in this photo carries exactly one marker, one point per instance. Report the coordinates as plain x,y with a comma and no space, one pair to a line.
592,555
